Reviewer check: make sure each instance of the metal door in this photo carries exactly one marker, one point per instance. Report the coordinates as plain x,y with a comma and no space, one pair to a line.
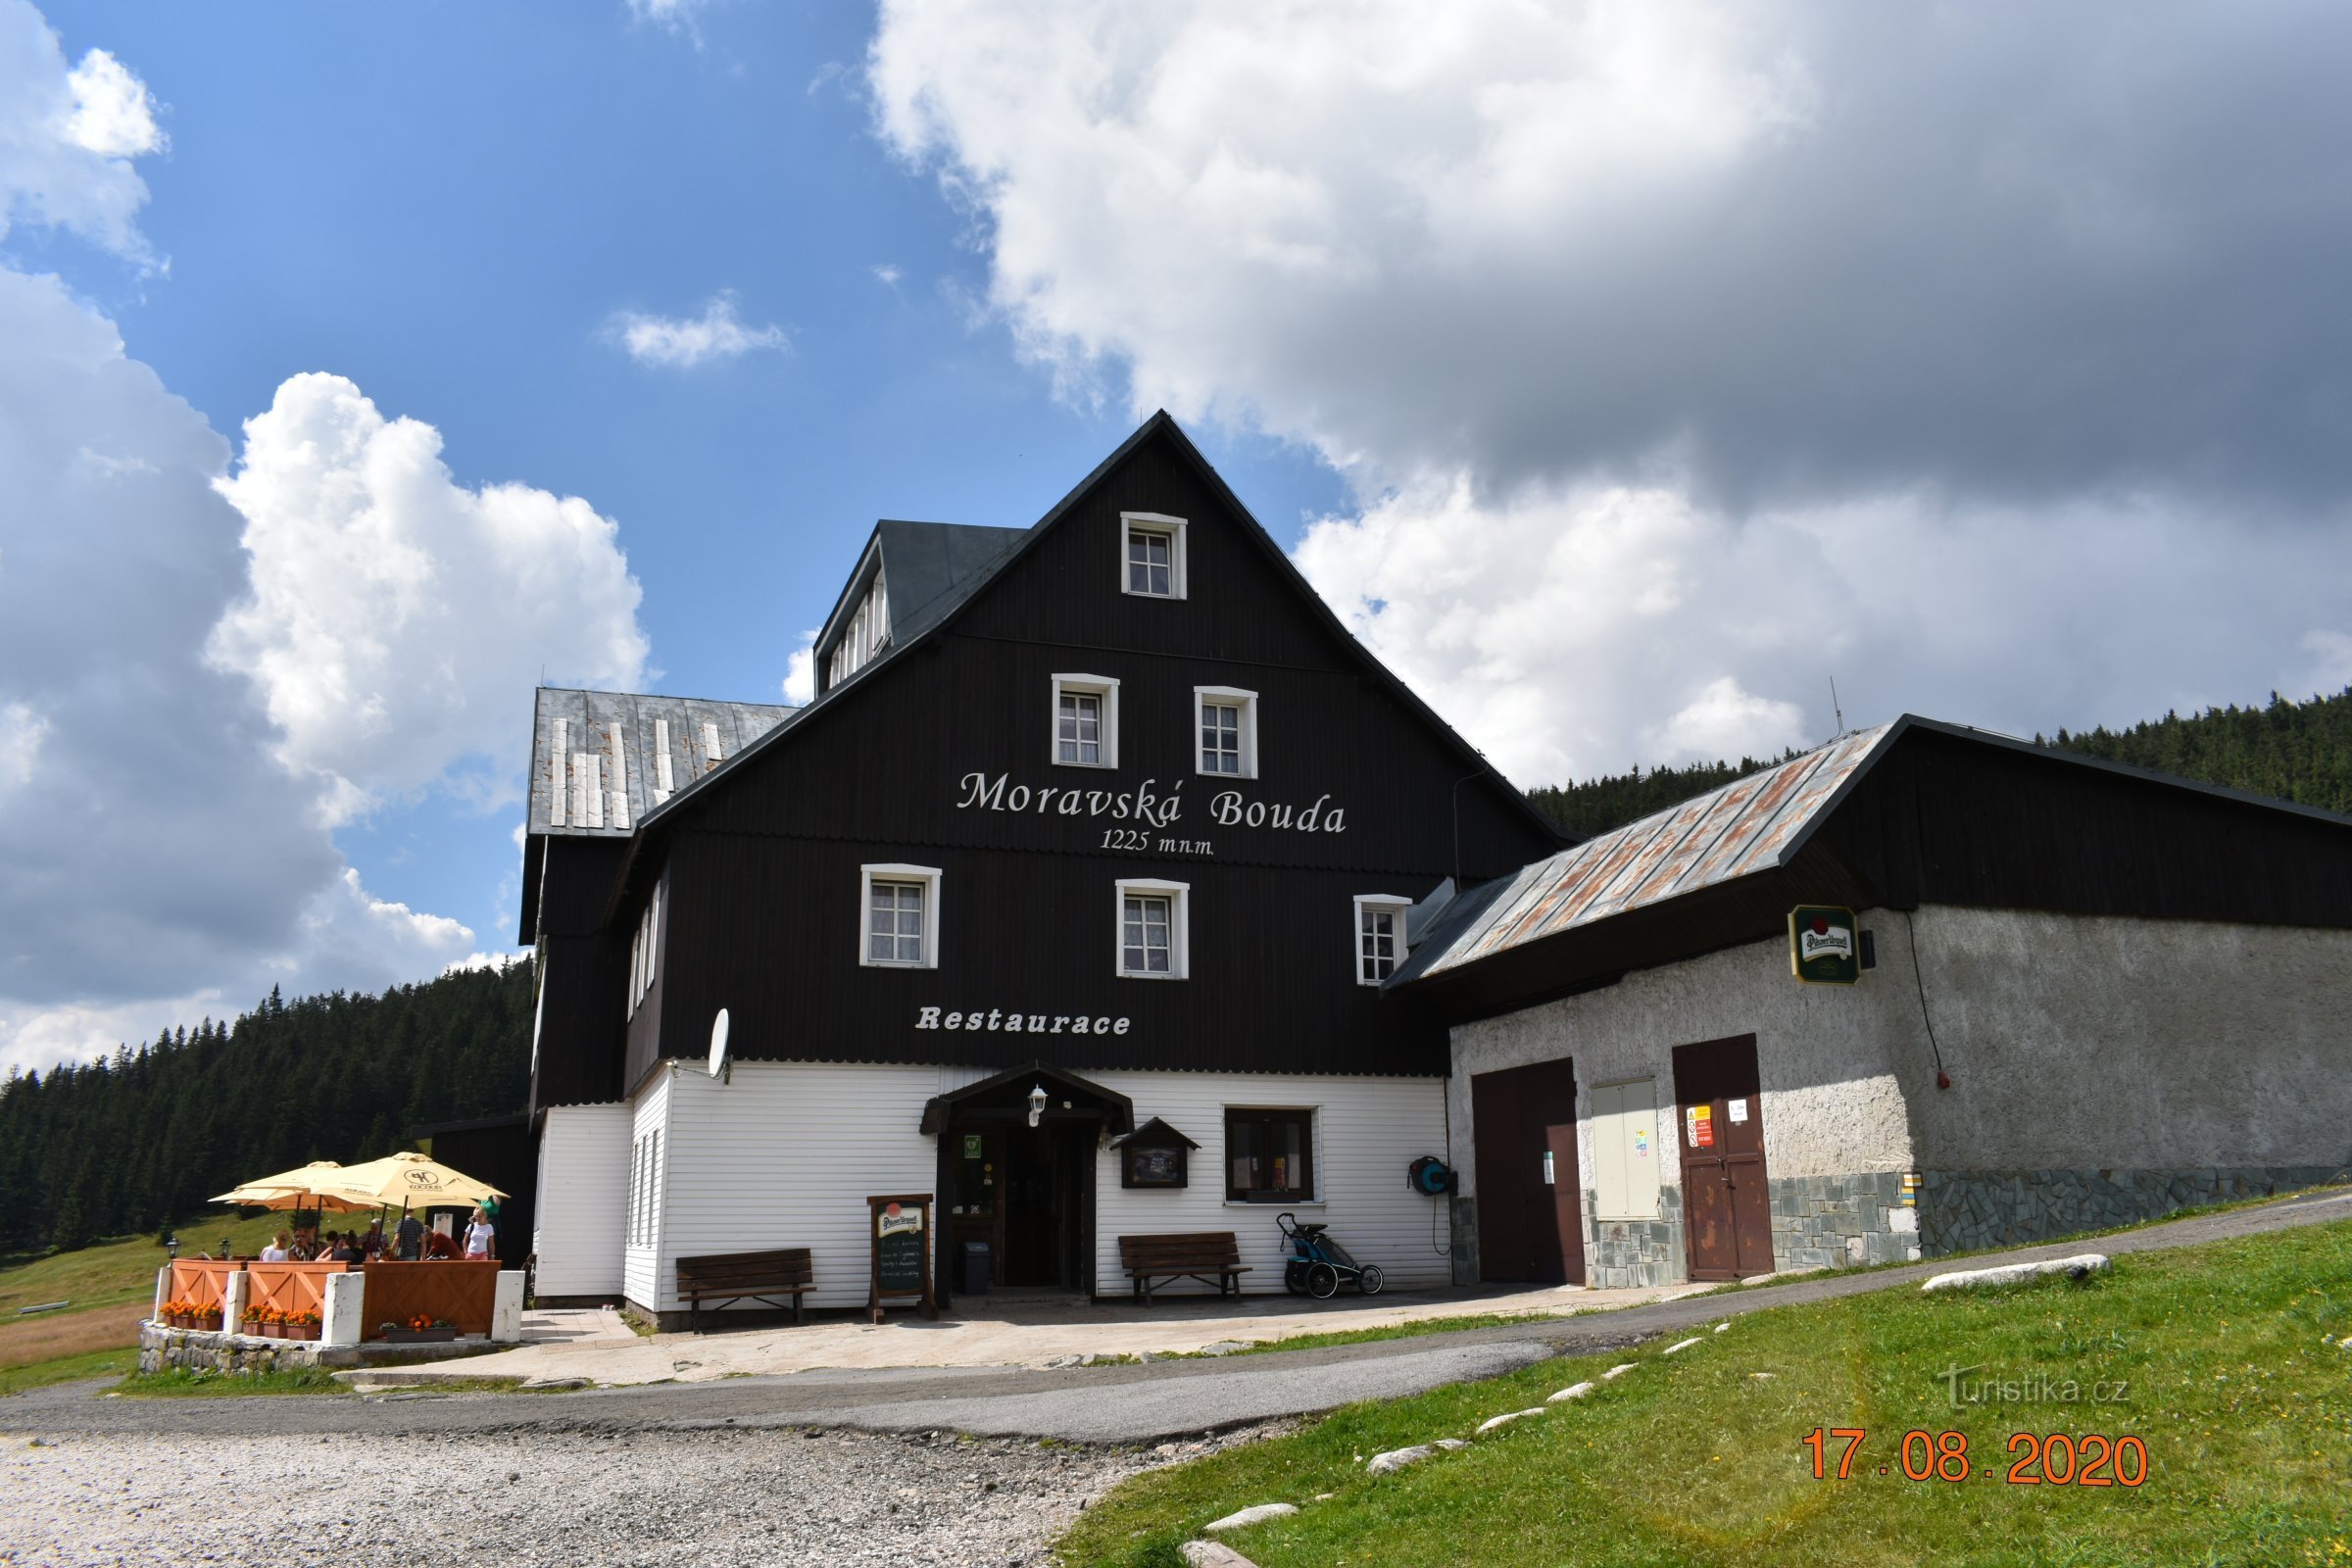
1727,1199
1530,1201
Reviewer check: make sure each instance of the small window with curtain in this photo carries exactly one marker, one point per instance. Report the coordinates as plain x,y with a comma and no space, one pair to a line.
1152,930
1086,721
1225,731
1269,1156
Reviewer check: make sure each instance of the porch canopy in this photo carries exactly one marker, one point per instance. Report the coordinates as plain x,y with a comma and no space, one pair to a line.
1006,1098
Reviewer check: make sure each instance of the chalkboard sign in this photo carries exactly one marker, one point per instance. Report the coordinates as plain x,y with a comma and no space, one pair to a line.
900,1231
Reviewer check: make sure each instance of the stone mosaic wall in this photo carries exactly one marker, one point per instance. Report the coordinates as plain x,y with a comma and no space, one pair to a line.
163,1348
1961,1211
1841,1221
1623,1253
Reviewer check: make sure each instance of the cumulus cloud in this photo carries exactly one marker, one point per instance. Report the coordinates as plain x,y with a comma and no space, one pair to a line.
683,342
1615,292
396,619
67,137
800,674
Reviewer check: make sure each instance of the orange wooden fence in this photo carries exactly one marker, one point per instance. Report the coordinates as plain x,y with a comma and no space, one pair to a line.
201,1279
464,1294
289,1286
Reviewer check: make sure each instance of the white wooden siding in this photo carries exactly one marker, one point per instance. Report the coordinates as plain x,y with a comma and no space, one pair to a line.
583,1187
643,1266
786,1153
1367,1130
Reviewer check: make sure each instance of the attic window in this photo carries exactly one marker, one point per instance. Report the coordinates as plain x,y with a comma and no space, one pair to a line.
1151,555
866,636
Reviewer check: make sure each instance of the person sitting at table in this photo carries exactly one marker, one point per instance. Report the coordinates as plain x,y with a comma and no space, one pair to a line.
440,1244
280,1251
345,1251
480,1236
372,1244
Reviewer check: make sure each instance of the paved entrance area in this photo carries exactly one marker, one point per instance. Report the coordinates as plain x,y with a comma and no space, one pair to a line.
1031,1332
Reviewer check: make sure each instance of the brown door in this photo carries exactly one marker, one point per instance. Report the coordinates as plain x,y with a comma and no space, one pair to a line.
1726,1202
1530,1201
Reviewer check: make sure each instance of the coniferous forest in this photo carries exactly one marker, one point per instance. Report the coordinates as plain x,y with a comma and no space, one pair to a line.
140,1140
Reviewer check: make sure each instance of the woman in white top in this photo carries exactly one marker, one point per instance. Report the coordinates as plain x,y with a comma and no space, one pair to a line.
278,1251
478,1236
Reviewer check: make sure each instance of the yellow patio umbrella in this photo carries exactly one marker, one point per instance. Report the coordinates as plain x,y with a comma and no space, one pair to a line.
410,1180
303,1187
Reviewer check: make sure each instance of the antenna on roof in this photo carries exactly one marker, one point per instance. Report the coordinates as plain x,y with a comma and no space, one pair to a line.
1834,708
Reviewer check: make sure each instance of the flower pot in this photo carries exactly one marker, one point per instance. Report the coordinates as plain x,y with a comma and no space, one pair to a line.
302,1330
421,1335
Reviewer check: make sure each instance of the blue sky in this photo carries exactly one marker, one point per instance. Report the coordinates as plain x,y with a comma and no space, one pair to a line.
1620,372
448,203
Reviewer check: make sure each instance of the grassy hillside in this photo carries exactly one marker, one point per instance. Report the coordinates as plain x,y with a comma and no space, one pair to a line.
2226,1362
109,1287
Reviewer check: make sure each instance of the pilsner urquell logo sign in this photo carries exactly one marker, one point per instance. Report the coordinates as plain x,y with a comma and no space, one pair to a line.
1821,948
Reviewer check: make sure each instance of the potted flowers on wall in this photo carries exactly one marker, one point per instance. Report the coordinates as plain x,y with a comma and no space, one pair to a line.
420,1330
302,1325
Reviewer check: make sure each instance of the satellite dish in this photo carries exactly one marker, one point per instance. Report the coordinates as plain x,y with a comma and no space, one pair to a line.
718,1043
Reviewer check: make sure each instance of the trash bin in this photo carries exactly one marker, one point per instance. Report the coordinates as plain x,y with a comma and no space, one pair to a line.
977,1262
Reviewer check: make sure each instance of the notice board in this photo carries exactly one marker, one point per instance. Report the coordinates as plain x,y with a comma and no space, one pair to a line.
898,1229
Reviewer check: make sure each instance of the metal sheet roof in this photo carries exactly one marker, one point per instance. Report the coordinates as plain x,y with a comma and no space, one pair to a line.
600,760
1744,827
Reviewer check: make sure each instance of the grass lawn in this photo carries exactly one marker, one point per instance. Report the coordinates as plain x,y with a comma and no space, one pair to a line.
110,1287
2231,1374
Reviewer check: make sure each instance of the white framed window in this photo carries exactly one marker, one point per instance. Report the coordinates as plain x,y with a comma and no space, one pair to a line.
1151,555
1225,731
865,637
897,923
643,949
1379,936
1086,721
644,1173
1153,941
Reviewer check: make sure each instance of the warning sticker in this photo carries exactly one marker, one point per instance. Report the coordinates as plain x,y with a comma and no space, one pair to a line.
1739,1110
1642,1142
1700,1120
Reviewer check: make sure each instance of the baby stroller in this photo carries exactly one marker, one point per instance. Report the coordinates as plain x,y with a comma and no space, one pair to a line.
1318,1264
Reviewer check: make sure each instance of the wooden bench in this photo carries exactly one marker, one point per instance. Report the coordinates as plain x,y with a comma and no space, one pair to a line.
1209,1256
723,1278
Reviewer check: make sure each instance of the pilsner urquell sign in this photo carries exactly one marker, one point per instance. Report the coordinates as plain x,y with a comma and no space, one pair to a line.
1823,949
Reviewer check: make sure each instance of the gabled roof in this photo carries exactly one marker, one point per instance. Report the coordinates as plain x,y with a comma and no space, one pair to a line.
1747,825
1962,815
958,595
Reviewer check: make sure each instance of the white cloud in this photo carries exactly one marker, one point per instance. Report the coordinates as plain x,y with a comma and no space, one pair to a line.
683,342
679,15
21,731
396,621
800,674
1681,356
67,137
2331,661
886,274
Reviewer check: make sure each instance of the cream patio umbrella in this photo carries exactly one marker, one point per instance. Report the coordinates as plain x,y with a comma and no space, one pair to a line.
303,1187
410,1180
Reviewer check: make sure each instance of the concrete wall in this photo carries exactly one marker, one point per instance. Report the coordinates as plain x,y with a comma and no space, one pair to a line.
577,1227
2102,1070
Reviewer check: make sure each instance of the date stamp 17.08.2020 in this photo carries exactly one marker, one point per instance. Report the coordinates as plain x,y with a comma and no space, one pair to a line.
2055,1459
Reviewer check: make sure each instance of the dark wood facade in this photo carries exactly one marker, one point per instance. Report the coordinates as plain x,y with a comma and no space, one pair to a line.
759,865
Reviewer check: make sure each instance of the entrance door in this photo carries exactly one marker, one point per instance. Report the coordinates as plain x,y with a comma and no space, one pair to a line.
1727,1204
1530,1201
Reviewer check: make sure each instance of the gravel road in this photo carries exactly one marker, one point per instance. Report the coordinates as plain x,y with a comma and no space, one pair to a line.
777,1496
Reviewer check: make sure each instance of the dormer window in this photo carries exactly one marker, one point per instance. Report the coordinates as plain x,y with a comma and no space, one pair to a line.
1151,555
866,636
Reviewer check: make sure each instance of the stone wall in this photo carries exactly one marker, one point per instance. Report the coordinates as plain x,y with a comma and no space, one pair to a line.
1841,1221
1624,1252
162,1349
1964,1212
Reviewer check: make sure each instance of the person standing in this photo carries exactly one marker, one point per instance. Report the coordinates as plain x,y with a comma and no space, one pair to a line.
408,1239
481,1237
